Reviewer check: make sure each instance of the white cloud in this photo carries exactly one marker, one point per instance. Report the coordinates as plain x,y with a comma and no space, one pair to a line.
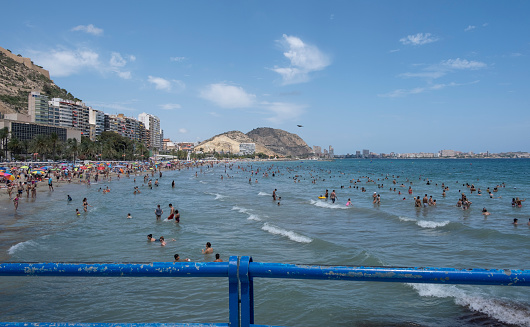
66,62
304,59
463,64
177,59
395,50
417,90
425,74
283,111
118,107
116,60
419,39
228,96
160,83
124,75
170,106
469,28
444,67
183,130
90,29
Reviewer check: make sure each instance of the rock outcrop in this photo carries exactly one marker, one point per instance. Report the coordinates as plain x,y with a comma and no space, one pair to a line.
282,142
269,141
18,77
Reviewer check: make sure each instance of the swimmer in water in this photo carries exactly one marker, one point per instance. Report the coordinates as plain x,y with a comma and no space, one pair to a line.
77,212
208,249
485,212
177,258
348,203
515,221
69,198
129,216
218,258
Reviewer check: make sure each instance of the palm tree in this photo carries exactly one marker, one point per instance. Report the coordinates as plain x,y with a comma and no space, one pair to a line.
4,134
14,146
25,145
53,139
73,148
40,145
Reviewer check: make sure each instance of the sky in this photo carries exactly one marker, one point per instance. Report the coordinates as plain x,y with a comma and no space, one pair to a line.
387,76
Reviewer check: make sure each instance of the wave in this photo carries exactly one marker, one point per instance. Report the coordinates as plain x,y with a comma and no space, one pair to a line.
250,215
218,196
324,204
431,224
253,217
426,223
263,193
502,310
242,210
20,246
287,233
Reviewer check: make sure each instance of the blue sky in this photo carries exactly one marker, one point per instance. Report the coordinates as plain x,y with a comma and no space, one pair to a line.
401,76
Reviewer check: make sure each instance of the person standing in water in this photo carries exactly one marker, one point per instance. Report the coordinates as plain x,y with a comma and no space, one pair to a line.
158,212
171,213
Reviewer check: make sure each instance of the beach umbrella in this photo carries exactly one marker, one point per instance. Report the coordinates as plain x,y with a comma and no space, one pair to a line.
24,167
101,168
37,172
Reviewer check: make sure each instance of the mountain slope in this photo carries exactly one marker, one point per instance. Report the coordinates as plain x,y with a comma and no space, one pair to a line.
18,77
281,142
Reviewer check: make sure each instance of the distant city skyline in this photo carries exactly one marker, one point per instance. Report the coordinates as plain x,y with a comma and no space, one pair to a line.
389,76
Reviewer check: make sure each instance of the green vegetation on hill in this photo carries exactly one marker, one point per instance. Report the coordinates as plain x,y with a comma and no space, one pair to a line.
17,81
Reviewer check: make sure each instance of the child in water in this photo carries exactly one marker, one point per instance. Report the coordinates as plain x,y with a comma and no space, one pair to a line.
348,203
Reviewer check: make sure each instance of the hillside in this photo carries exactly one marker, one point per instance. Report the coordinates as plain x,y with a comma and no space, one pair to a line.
272,142
229,142
281,142
18,77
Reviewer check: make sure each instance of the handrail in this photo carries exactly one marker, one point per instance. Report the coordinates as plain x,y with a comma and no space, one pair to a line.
241,272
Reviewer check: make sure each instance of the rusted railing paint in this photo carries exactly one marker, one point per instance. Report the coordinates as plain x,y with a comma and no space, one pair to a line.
68,324
504,277
240,274
154,269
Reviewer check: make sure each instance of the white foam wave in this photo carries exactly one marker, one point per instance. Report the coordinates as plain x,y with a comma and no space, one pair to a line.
20,246
287,233
324,204
425,223
263,193
498,309
253,217
431,224
242,210
217,196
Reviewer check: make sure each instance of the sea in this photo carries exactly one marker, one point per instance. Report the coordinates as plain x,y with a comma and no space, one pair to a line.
230,205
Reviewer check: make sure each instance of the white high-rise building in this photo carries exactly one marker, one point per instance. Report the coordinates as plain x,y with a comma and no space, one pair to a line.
152,124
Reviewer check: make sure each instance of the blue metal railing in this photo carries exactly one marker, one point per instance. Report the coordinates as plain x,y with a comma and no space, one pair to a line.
241,273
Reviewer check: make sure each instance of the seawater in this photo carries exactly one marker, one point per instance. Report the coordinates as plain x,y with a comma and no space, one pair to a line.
240,218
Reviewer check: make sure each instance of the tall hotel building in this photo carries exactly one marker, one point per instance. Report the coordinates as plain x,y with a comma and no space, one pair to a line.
152,124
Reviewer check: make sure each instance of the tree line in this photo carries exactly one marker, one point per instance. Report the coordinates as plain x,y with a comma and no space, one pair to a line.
107,146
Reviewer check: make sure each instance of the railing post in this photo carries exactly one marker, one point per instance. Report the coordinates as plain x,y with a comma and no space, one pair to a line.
233,292
247,292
